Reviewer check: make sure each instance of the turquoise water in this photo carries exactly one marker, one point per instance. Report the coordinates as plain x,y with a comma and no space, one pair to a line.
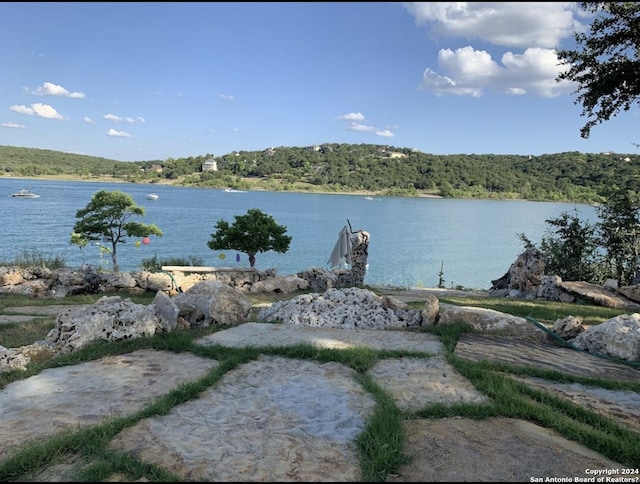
412,239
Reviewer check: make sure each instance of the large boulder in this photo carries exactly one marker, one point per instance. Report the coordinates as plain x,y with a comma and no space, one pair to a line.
491,321
108,319
347,308
523,277
618,338
280,284
213,303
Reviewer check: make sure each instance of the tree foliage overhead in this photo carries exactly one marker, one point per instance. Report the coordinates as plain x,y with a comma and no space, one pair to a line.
605,64
107,218
251,233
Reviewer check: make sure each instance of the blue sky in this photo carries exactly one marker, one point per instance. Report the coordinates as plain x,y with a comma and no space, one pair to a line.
151,81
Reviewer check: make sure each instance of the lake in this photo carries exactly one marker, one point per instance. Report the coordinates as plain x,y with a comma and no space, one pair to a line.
412,239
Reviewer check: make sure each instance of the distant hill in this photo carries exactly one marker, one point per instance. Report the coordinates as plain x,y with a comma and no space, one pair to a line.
380,169
20,161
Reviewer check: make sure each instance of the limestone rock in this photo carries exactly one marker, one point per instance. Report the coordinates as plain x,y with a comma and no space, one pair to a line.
213,302
619,338
282,284
568,328
488,320
343,308
109,319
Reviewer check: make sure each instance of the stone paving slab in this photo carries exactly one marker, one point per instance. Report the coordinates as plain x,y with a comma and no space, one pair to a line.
621,405
271,420
280,334
29,313
514,351
51,310
65,398
416,382
15,318
493,450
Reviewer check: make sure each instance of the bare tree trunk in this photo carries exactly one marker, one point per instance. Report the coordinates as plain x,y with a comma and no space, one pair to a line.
116,267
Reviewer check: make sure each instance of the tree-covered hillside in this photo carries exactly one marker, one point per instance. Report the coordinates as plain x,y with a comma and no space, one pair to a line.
569,176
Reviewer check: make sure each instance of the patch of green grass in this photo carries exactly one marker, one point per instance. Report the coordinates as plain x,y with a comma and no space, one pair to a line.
31,257
15,335
547,312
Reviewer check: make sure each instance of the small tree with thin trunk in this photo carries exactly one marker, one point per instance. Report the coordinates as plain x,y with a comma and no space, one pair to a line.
251,233
106,218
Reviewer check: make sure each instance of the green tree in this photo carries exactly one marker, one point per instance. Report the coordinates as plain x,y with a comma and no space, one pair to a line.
251,233
570,247
107,218
605,65
619,230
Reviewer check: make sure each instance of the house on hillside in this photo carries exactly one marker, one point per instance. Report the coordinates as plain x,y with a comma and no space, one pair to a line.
395,154
210,165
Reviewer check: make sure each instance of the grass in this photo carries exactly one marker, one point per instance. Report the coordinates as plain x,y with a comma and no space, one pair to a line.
546,312
380,445
30,257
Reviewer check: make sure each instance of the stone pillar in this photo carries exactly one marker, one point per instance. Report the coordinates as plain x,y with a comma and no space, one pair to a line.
359,255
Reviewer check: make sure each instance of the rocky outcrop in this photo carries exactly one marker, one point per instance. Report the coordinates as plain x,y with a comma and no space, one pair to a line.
523,277
58,283
109,319
526,279
113,319
343,308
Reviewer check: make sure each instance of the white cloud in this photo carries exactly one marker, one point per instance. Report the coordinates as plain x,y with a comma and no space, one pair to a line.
88,120
385,133
13,125
351,117
511,24
118,134
468,72
118,119
361,127
536,27
50,89
38,109
356,126
226,97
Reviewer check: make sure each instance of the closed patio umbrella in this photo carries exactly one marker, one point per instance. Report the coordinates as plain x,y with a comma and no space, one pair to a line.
342,249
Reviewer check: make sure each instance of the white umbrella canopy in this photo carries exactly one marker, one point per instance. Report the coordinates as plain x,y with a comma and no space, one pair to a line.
342,250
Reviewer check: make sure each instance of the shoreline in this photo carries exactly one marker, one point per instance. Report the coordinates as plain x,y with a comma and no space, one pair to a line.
107,179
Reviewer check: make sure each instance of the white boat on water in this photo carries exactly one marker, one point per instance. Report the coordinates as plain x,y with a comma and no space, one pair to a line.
233,190
24,194
152,196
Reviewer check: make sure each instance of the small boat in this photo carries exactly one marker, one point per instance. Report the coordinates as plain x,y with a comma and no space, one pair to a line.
368,198
24,194
152,196
233,190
